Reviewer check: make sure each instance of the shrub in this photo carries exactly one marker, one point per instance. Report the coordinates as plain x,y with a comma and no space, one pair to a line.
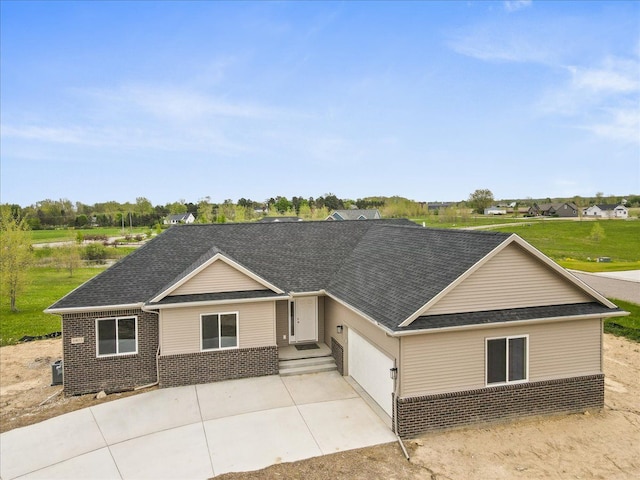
95,252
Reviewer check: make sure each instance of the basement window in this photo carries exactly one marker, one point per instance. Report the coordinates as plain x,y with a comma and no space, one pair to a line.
116,336
507,360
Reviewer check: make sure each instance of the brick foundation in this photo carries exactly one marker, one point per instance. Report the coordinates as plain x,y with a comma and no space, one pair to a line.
417,415
214,366
84,372
337,352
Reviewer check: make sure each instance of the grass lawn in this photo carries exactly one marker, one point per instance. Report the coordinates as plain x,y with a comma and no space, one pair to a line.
570,243
46,286
628,327
442,221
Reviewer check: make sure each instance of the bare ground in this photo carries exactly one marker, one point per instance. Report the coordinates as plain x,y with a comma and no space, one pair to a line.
593,445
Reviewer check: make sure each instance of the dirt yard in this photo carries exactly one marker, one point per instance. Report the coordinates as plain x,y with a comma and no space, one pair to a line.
26,394
596,445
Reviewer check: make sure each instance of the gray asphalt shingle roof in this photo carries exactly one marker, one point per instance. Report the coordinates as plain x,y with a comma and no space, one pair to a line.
300,256
393,271
356,214
386,269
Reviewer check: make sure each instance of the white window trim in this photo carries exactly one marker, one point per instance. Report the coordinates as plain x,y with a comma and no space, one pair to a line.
486,360
237,314
117,354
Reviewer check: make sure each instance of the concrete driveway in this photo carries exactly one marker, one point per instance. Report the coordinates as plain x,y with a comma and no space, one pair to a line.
621,285
198,431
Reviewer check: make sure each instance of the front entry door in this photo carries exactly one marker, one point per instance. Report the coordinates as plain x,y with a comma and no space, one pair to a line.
306,319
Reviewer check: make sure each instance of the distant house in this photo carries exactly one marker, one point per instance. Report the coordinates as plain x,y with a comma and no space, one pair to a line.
607,211
279,219
355,214
179,218
495,210
564,209
518,210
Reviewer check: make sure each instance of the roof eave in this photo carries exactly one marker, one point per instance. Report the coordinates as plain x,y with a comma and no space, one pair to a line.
92,308
533,321
151,306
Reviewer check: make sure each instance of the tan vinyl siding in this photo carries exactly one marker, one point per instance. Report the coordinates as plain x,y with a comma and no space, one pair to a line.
511,279
336,314
455,361
180,327
218,277
282,323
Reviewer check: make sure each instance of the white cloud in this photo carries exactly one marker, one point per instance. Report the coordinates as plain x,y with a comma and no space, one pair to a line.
601,99
513,41
515,5
44,134
614,76
618,125
158,118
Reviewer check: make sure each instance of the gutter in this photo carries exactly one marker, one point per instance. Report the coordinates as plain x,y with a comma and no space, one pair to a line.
157,382
60,311
395,414
478,326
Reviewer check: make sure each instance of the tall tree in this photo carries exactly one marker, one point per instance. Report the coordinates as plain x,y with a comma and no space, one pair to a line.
480,199
15,255
205,210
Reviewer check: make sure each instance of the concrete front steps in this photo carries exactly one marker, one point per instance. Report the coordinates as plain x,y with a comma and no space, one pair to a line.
301,366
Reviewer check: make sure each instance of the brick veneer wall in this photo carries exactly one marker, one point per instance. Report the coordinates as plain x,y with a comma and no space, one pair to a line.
337,352
84,372
417,415
214,366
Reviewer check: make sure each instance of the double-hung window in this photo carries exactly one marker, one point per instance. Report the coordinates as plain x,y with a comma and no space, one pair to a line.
219,330
507,359
116,336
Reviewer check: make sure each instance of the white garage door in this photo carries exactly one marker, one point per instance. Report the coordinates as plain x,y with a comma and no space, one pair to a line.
370,368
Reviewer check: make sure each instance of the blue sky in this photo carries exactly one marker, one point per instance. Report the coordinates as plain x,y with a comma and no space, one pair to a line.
428,100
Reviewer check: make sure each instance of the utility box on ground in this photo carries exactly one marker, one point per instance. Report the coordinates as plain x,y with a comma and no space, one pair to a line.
56,373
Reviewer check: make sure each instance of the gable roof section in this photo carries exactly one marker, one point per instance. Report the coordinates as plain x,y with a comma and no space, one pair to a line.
199,268
581,289
510,278
356,214
293,257
414,265
609,206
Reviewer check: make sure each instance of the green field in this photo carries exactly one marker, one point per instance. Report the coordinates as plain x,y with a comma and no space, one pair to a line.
46,286
571,243
444,221
628,327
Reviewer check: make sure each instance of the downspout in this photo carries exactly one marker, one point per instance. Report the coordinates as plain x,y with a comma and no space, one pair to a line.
395,413
142,387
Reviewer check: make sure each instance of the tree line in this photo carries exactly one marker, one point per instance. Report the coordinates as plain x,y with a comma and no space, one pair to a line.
48,214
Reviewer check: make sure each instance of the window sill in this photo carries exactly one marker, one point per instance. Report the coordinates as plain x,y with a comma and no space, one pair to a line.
117,355
502,384
218,349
